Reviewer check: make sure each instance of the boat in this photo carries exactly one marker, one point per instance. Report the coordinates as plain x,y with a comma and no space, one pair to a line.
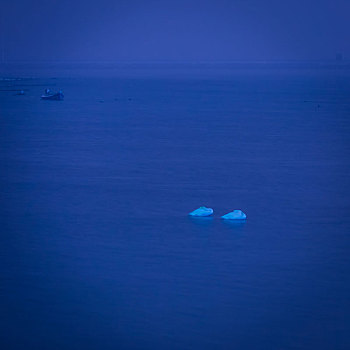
49,95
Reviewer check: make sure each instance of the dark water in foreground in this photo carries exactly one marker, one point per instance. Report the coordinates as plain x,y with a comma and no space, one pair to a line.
96,250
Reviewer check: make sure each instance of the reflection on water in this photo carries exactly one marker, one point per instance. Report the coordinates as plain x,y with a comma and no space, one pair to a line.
239,224
205,221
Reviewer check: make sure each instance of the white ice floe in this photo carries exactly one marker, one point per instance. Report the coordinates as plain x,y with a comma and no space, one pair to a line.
235,215
202,211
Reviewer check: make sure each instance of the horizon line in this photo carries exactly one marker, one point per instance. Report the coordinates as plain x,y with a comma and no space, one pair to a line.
165,61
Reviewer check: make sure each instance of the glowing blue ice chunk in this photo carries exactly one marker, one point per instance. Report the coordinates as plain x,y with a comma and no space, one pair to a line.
235,215
202,211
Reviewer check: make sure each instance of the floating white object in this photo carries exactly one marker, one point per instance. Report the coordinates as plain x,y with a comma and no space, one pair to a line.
235,215
202,211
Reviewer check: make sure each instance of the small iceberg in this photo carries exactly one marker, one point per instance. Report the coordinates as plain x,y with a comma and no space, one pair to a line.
235,215
202,211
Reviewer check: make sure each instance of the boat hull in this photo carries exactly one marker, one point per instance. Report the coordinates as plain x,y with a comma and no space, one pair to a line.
54,97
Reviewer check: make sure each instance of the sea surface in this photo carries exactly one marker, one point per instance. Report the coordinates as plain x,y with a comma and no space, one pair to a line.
97,250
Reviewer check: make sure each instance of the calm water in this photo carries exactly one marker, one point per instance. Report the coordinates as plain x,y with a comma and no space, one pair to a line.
96,248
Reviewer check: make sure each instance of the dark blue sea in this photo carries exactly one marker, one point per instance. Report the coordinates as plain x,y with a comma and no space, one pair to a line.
97,250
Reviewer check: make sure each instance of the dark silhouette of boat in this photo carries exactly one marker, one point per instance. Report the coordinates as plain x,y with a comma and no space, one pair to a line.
49,95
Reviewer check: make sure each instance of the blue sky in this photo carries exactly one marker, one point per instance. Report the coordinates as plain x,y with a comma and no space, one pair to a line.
191,30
